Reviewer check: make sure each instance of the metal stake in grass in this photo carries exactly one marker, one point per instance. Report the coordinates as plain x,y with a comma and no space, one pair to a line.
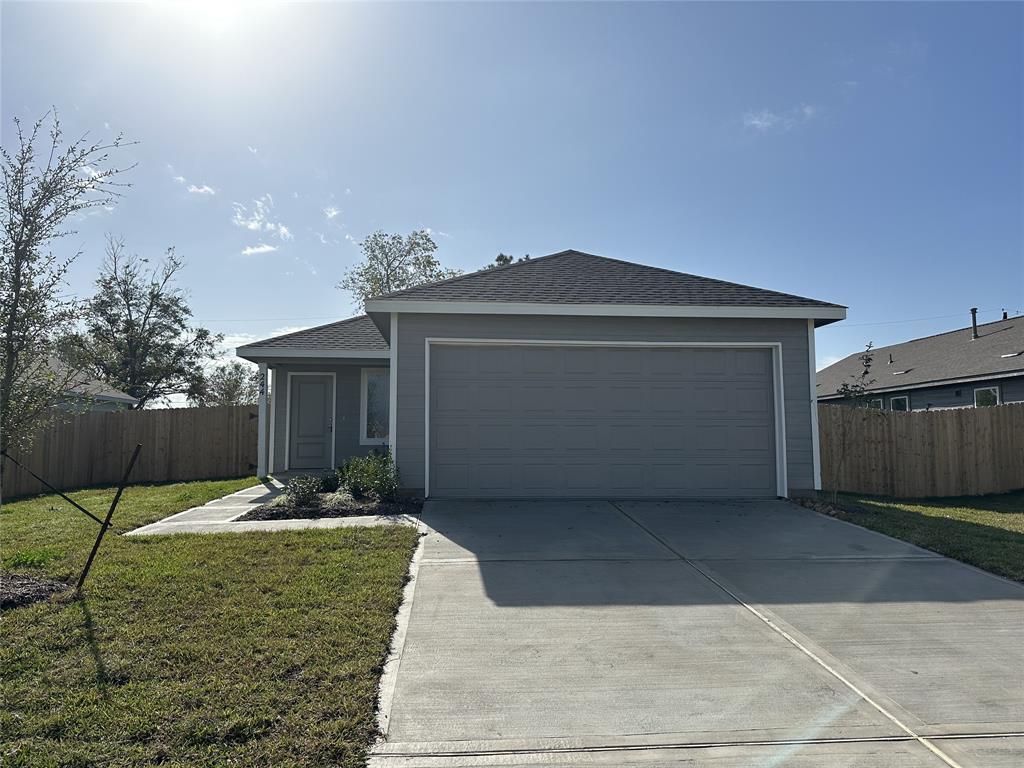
106,521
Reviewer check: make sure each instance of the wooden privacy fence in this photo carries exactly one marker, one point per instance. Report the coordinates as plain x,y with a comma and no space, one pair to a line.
963,451
92,448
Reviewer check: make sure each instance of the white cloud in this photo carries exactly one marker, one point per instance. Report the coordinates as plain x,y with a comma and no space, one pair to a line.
255,250
195,189
331,212
258,218
767,120
348,191
252,150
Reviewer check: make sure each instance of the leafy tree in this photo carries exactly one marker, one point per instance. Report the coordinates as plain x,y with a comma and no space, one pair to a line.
137,335
45,180
503,260
233,383
392,262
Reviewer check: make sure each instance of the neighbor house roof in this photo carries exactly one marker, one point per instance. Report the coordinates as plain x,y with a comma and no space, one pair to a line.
572,277
78,383
944,358
354,337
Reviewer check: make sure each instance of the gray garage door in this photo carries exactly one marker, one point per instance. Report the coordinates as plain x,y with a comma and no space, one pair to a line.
571,421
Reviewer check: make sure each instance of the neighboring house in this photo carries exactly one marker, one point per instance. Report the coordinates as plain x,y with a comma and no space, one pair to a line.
569,375
84,393
975,366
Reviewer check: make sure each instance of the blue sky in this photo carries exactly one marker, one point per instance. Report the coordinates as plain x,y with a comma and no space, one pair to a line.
867,154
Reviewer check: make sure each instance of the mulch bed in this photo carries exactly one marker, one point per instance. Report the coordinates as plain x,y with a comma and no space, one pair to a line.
17,589
346,508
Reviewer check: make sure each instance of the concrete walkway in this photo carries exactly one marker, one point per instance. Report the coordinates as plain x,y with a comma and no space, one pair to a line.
685,633
221,515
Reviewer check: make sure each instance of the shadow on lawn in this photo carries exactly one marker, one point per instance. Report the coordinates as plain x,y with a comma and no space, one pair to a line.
102,676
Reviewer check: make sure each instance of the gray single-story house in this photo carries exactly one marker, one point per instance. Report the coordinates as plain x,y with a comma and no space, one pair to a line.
569,375
980,365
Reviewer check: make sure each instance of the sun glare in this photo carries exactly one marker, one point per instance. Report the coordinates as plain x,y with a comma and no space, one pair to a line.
216,18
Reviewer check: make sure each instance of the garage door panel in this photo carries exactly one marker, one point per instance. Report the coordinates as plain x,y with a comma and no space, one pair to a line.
755,477
601,421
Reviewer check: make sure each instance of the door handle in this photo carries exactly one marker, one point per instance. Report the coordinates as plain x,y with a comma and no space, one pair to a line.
330,425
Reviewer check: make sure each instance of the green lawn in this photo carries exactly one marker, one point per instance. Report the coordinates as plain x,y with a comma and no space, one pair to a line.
986,531
196,650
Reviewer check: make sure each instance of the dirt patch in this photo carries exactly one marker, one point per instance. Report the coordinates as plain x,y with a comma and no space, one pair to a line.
336,505
17,589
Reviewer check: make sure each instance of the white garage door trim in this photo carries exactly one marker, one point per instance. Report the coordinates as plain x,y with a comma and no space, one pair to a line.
781,482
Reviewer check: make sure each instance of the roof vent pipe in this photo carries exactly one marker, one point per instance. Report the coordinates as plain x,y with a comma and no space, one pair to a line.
1004,314
974,322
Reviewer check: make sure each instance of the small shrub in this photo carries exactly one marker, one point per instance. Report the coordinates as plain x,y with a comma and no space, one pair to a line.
329,482
375,475
302,490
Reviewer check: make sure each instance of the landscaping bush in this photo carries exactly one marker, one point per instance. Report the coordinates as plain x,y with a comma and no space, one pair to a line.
374,474
302,490
329,482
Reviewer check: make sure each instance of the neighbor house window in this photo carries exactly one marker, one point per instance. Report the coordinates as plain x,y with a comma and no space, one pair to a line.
901,403
984,396
374,407
876,403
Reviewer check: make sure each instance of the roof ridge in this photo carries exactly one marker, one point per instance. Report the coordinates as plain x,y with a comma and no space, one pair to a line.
464,275
943,333
632,264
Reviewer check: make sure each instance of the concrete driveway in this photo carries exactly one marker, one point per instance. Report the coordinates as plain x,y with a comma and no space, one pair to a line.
697,633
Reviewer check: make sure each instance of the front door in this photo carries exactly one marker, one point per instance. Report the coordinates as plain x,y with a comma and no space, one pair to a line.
310,427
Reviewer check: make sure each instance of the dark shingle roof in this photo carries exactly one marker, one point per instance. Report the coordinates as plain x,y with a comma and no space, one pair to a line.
356,333
79,383
947,356
572,277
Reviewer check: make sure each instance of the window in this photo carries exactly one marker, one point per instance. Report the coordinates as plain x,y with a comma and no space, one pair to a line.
985,396
901,403
374,407
876,404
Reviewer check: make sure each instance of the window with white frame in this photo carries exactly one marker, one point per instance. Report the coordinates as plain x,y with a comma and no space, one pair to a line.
876,403
900,403
985,396
375,406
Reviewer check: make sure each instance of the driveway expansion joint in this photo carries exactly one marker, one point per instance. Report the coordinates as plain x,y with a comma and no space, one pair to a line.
767,617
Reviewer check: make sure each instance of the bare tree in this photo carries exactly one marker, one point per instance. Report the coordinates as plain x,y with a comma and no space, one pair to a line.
46,180
855,399
392,263
137,335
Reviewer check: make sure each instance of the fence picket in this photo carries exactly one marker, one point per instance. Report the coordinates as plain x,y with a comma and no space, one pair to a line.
965,451
177,444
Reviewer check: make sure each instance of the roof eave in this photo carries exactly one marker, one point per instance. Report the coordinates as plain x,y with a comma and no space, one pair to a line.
258,354
820,314
886,389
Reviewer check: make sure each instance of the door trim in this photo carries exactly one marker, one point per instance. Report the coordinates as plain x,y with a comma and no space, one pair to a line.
781,479
288,414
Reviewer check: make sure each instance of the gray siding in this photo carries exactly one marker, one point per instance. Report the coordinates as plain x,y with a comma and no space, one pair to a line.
413,329
346,427
1011,390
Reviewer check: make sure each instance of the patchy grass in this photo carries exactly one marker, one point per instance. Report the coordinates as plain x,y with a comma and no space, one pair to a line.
986,531
46,535
198,650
